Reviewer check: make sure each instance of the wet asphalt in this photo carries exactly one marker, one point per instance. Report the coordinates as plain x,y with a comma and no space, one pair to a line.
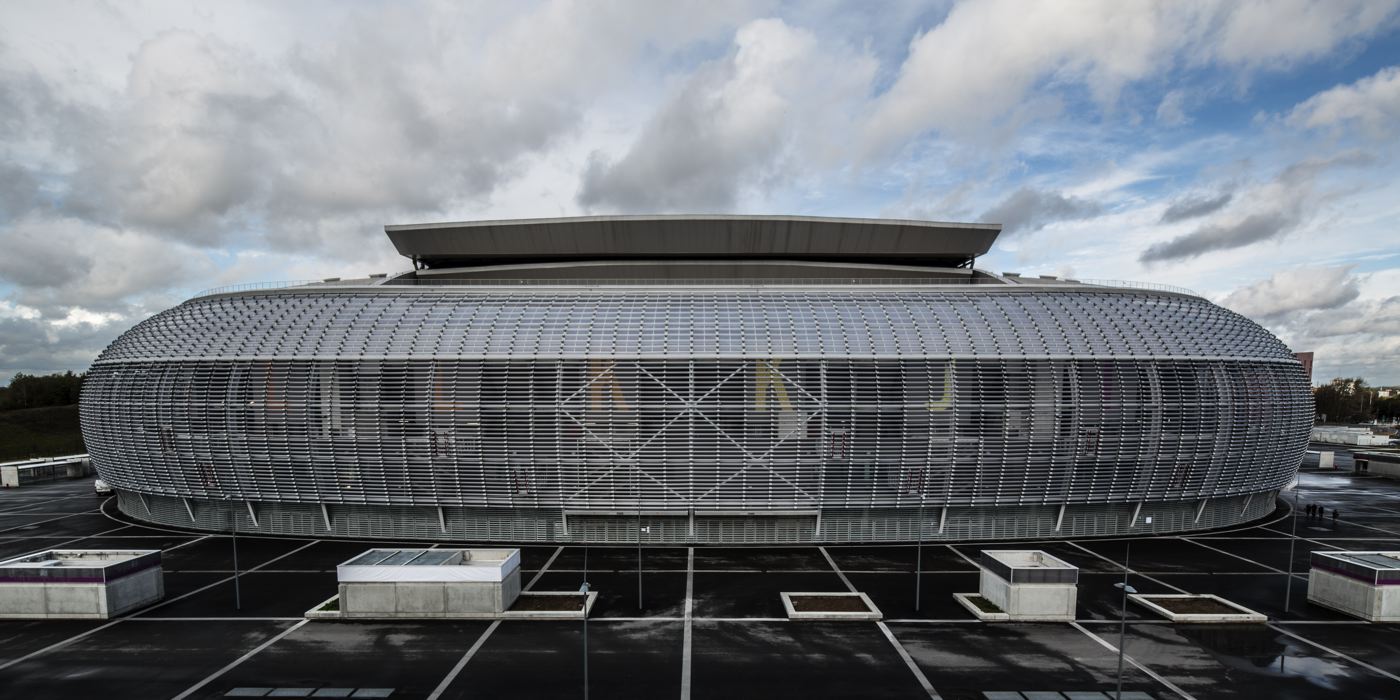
196,644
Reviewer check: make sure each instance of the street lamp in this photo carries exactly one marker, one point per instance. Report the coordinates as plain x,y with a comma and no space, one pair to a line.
1292,544
1123,627
919,553
584,591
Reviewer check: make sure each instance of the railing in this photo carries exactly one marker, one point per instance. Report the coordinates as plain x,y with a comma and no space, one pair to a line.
1152,286
679,281
250,286
390,281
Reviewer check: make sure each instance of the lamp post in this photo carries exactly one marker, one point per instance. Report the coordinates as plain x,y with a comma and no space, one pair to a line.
233,534
919,554
1123,617
1292,542
583,589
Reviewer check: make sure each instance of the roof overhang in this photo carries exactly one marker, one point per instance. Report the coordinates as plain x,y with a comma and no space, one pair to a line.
905,242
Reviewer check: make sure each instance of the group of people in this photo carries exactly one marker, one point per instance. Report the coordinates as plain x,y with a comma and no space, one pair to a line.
1316,511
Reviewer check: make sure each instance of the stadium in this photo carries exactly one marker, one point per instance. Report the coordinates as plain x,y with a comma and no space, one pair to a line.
697,379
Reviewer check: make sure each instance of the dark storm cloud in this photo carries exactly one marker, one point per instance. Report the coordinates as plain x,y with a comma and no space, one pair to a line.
1280,206
1251,229
1195,206
1031,210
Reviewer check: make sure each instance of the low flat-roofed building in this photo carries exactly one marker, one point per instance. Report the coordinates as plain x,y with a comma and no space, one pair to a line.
80,583
1029,584
1364,584
429,583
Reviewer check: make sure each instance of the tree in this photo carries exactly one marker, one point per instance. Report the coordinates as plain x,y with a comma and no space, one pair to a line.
1345,400
31,391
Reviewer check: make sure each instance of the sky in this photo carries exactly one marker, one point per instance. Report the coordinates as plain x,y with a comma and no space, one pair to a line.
1246,150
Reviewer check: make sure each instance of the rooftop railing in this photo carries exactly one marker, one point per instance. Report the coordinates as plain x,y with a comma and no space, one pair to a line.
1151,286
392,281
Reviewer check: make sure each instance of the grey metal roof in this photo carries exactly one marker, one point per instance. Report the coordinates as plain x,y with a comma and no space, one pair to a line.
457,244
938,322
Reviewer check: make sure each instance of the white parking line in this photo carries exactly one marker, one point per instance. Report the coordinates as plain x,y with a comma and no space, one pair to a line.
251,653
65,642
689,617
1152,674
885,630
462,662
41,522
543,569
1132,571
1236,556
24,508
1334,652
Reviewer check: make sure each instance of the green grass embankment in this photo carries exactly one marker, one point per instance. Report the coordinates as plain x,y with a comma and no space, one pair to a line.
51,431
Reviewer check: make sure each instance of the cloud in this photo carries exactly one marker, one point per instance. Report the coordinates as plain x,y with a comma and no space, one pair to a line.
34,346
1193,206
208,139
1268,34
1298,289
1171,111
776,97
1372,103
1031,210
60,263
973,71
1266,212
1241,232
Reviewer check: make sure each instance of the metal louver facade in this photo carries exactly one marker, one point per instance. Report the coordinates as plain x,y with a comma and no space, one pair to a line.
736,413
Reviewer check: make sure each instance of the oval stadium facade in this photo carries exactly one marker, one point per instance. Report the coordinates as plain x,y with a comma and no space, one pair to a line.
702,380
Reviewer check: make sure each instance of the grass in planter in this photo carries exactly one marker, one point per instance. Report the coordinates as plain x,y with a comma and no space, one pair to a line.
332,605
548,603
1195,606
983,604
828,603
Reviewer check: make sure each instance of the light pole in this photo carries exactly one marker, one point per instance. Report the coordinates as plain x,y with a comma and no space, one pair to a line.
233,533
919,554
638,479
1292,542
1123,619
1123,634
584,590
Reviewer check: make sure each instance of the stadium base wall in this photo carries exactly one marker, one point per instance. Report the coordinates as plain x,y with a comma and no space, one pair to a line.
835,525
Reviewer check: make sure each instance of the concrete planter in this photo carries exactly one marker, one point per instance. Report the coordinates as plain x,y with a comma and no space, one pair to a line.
871,612
551,614
963,598
317,613
1241,614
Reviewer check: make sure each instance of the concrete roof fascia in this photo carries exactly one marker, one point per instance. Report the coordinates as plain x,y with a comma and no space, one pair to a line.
674,236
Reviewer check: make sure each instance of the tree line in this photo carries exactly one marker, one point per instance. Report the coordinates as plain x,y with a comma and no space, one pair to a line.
1350,400
33,391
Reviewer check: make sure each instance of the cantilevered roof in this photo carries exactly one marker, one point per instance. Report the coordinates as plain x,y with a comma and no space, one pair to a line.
471,243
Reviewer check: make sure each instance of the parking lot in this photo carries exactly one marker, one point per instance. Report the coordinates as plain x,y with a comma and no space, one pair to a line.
708,622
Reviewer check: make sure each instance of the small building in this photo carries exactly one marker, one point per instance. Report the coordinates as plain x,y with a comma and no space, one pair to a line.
1029,584
1338,435
80,583
429,583
1363,584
